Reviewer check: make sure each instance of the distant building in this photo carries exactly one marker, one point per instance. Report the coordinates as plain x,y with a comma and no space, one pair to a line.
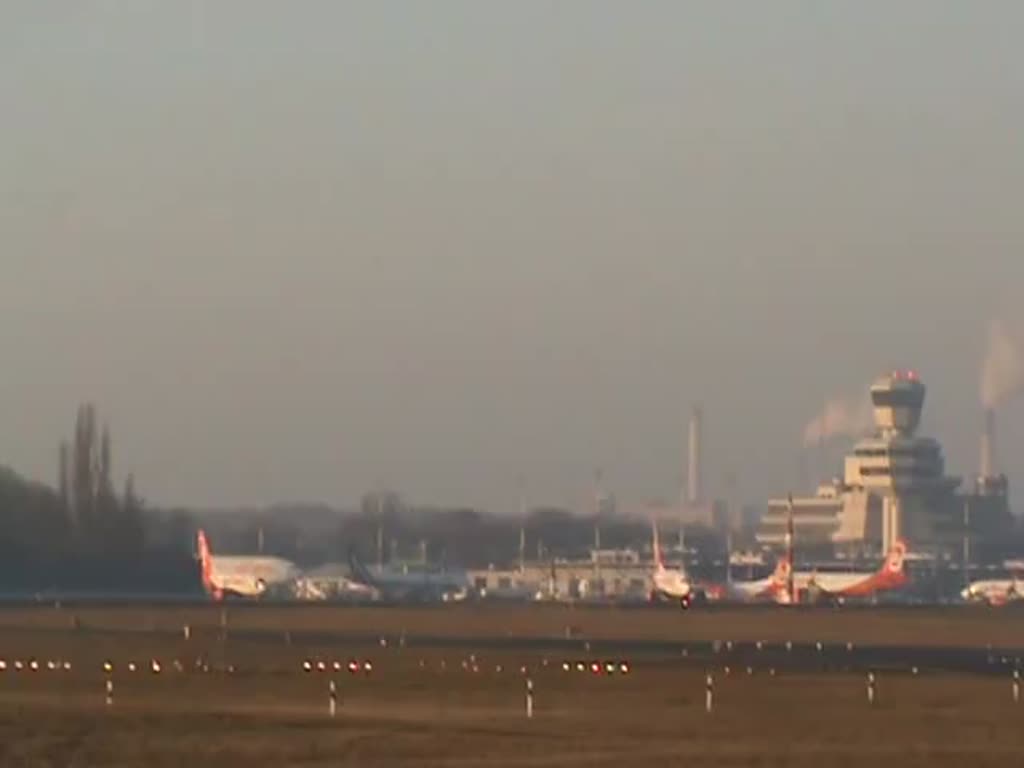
606,505
894,486
617,574
710,514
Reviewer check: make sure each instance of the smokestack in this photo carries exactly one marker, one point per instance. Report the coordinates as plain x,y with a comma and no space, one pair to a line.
790,545
64,470
693,489
987,466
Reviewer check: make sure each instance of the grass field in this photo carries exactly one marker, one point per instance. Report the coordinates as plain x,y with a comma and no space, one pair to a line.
927,626
429,706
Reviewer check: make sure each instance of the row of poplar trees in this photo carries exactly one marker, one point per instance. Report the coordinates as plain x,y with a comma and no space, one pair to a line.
99,520
85,535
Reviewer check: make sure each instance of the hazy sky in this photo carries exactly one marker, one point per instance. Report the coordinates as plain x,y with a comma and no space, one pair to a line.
299,249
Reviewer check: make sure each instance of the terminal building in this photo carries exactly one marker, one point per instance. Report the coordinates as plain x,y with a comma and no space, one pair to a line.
894,486
609,574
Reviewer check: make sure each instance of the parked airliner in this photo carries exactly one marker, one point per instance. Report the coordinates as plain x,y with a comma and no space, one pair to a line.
242,575
997,592
843,584
671,583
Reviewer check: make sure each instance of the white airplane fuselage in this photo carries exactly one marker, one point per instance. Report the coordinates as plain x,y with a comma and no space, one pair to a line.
993,591
891,575
668,582
250,576
746,591
671,583
242,575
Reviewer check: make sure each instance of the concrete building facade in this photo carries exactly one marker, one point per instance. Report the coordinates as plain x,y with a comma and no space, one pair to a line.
894,486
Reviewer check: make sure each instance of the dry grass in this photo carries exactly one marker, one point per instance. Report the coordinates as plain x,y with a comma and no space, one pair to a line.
422,708
402,715
952,626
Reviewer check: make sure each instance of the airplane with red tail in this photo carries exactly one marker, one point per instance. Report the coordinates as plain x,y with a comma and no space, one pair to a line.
890,576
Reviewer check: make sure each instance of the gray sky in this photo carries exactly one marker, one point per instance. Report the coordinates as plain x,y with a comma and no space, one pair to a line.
295,250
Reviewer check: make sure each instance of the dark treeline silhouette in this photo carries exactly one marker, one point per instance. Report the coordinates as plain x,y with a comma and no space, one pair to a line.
386,528
85,536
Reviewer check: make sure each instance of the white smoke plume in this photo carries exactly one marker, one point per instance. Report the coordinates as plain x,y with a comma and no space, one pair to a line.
1002,373
840,417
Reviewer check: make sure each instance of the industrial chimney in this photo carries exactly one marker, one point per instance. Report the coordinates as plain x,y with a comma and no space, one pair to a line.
693,489
987,466
64,477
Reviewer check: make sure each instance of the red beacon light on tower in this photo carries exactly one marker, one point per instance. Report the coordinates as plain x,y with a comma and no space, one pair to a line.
907,375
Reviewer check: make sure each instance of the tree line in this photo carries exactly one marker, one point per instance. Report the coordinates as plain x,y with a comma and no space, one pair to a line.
85,534
388,529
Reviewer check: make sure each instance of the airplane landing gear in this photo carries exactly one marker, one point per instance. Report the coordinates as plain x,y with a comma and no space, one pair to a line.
692,600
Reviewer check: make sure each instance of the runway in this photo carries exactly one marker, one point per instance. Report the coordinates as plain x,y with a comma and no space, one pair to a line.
791,656
447,686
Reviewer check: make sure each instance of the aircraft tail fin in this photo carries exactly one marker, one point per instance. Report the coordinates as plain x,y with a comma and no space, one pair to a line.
891,574
782,579
894,560
205,556
659,564
359,571
783,570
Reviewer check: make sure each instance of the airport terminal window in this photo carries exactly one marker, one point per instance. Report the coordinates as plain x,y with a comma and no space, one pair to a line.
874,471
921,453
897,399
914,471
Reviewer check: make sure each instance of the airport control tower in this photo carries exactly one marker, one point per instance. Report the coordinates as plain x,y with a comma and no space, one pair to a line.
897,400
894,486
894,481
895,465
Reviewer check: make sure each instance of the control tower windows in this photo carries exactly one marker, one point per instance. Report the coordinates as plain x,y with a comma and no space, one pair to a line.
914,472
897,398
919,453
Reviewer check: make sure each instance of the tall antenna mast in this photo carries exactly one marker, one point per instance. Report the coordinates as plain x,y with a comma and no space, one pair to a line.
521,482
790,586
